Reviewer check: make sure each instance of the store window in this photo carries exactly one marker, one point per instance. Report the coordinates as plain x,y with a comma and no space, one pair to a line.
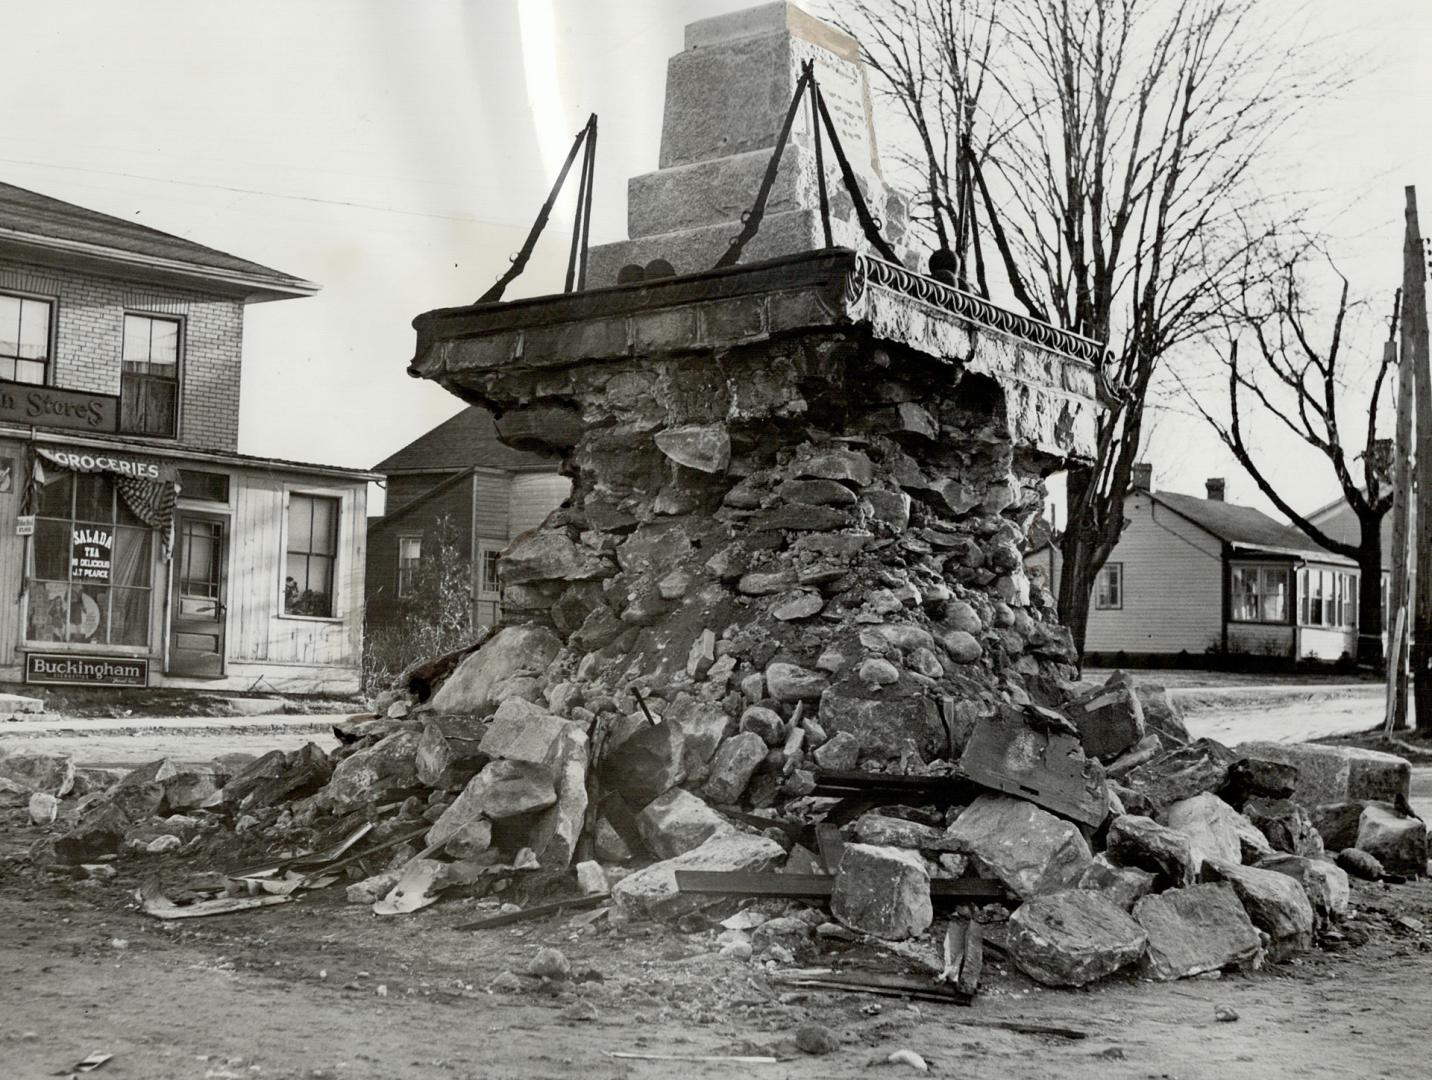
1109,588
91,570
1258,594
24,339
149,376
410,554
312,555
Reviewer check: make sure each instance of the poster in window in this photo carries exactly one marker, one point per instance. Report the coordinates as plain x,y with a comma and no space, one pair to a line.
91,555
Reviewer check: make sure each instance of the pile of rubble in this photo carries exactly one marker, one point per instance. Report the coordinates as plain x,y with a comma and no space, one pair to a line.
1201,858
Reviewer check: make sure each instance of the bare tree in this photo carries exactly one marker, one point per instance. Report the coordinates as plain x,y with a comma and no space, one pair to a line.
1112,151
1301,385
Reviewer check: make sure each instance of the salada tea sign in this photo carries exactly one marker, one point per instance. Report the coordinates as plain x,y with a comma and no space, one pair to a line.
92,555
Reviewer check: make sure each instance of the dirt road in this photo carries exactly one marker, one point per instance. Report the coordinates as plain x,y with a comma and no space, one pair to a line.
321,989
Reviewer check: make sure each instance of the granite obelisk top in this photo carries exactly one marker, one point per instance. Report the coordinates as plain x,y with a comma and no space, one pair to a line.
727,94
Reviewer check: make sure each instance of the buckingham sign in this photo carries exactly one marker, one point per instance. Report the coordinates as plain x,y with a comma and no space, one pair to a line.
65,669
51,407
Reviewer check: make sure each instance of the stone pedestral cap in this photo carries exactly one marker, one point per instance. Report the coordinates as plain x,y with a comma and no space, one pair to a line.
726,97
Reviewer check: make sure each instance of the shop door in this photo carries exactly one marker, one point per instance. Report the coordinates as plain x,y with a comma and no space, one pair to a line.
197,645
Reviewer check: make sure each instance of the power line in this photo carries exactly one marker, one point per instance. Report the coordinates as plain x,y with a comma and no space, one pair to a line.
262,193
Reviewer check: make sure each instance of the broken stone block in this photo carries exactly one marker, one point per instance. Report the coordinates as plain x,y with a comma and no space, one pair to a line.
1124,886
1030,850
507,789
1275,902
608,844
1073,938
1286,825
522,731
512,651
791,682
1324,884
269,766
1181,773
32,770
554,836
1397,841
1135,840
1209,823
703,726
839,753
882,831
651,892
591,878
643,759
96,834
733,765
1162,714
433,758
703,447
470,840
766,723
1195,929
1109,719
364,778
190,788
1329,774
137,801
1259,778
1146,749
882,891
1337,823
677,822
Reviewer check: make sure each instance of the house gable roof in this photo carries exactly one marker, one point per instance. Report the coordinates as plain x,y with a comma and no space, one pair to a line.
461,442
39,224
1243,526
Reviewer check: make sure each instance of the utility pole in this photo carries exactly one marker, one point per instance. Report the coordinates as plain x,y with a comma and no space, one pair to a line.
1396,610
1414,354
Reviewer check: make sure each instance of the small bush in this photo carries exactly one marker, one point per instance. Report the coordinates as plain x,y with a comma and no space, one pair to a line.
434,618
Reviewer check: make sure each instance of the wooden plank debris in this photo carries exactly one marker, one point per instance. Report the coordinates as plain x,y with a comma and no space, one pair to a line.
540,911
832,846
820,886
964,955
1028,754
919,987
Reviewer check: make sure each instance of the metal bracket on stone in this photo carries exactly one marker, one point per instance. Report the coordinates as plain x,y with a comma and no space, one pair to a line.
581,224
820,118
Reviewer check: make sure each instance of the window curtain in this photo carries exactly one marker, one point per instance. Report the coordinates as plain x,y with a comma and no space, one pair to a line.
152,499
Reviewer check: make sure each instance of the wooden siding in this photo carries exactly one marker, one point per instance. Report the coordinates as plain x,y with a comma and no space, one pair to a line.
382,577
1173,585
491,506
1260,639
258,632
533,497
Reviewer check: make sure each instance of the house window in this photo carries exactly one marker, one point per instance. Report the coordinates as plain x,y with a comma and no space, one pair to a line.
24,339
204,486
410,554
311,554
90,577
1109,588
1258,594
489,584
1327,598
149,376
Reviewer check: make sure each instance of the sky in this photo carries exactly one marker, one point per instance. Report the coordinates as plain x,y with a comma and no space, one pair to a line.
396,153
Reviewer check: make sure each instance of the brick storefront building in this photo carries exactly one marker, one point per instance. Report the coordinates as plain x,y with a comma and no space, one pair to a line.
142,547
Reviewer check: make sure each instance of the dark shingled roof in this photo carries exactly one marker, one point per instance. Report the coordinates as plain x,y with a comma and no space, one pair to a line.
468,439
33,214
1242,525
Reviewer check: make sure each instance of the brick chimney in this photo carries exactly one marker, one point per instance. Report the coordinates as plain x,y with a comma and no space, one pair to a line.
1143,478
1215,486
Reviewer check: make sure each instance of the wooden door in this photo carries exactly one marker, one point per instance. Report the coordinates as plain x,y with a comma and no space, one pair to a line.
199,594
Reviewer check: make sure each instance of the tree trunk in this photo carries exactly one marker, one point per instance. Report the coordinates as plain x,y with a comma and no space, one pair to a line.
1369,595
1076,583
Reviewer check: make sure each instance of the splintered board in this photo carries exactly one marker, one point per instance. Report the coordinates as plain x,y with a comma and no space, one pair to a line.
1040,763
820,886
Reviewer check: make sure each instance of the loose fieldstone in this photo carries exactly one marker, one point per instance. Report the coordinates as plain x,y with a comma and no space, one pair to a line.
790,682
1029,849
1195,929
882,891
651,892
1122,885
1360,864
813,1038
766,723
962,646
1397,841
44,808
550,963
963,617
733,765
839,753
800,604
1209,823
677,822
1073,937
766,584
1135,840
1324,884
877,671
703,447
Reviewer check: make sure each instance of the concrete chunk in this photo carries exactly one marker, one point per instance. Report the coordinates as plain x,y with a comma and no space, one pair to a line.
1073,938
